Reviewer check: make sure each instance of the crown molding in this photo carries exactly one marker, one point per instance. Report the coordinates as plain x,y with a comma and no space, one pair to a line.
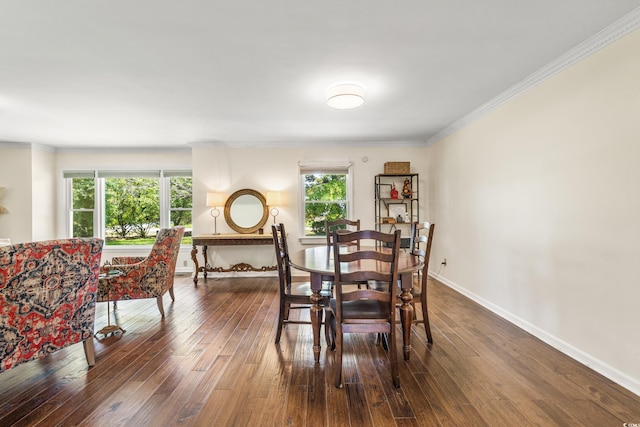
305,144
27,146
625,25
14,144
132,150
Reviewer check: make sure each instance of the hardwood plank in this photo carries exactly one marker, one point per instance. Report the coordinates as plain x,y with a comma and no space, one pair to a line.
359,414
316,396
212,361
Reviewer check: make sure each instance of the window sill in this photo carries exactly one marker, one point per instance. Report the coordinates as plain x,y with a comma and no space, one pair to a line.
313,240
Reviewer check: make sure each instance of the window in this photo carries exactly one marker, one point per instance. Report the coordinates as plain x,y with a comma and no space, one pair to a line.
83,206
180,200
127,207
326,195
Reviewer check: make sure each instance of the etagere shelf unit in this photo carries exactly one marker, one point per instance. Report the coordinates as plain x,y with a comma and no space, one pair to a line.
397,210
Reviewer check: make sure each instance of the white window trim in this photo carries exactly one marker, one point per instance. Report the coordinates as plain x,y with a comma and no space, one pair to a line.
99,207
306,167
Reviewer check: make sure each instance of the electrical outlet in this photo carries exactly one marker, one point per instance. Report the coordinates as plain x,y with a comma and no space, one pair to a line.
444,262
184,263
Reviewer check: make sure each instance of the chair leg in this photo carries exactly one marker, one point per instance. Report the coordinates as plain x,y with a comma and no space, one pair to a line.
382,339
173,297
330,329
338,360
425,318
89,351
160,307
280,322
286,311
393,357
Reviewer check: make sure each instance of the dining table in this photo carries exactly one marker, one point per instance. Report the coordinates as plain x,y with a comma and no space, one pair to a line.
318,262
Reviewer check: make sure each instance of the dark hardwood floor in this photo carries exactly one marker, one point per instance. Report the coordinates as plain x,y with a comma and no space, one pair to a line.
212,362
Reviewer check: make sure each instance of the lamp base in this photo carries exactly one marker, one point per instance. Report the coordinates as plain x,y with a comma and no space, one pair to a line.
274,212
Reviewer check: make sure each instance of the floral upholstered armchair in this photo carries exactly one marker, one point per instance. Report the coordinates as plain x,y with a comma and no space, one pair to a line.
47,298
145,277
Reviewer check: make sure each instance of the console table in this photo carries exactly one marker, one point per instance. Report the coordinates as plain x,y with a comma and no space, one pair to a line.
227,240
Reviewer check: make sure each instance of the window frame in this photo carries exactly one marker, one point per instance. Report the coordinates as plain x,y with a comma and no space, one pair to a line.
99,210
321,167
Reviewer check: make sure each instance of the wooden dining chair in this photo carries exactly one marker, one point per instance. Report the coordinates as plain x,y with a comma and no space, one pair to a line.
340,225
420,244
343,226
293,295
364,310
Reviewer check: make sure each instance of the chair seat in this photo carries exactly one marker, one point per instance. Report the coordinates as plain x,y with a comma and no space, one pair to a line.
361,309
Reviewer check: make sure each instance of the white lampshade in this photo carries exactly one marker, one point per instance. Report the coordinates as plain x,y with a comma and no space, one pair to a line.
345,96
215,199
274,198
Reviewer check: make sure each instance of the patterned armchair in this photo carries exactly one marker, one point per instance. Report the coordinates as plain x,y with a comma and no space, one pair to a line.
148,277
47,298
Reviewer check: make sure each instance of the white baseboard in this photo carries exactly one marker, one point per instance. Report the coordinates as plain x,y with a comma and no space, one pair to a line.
624,380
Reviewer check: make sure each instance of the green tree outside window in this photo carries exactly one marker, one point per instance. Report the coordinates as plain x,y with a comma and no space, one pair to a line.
325,200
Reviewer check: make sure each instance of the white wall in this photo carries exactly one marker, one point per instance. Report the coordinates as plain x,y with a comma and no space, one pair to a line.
219,168
15,176
537,207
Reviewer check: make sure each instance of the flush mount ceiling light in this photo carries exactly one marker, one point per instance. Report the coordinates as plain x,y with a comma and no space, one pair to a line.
345,96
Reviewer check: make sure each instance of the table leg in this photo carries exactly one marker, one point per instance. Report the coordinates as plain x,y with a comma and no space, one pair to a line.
316,313
109,329
194,252
204,255
406,312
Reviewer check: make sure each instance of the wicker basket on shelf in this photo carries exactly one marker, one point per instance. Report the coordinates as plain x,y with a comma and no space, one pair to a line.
395,168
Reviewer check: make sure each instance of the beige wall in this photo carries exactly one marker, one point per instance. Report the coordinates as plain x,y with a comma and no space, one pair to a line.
28,173
537,207
218,168
15,176
43,196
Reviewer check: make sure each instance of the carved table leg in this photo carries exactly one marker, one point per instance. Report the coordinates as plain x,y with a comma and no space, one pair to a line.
316,313
406,313
204,254
194,252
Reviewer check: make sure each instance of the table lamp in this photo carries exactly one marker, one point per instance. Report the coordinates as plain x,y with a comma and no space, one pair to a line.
274,198
214,200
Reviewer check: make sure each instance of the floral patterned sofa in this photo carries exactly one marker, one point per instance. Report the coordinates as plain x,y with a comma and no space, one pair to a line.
47,298
146,277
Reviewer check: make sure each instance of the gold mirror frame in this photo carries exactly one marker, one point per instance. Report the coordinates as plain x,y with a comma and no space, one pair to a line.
233,198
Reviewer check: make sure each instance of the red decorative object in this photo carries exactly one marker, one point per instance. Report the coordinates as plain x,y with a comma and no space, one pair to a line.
394,192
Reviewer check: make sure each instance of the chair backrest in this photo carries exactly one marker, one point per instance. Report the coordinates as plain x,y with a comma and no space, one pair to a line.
48,296
420,243
378,263
342,226
165,250
282,255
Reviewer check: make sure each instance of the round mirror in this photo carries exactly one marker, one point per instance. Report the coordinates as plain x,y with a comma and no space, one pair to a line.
246,211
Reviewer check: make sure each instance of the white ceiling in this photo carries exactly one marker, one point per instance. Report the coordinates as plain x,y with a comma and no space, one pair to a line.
165,73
